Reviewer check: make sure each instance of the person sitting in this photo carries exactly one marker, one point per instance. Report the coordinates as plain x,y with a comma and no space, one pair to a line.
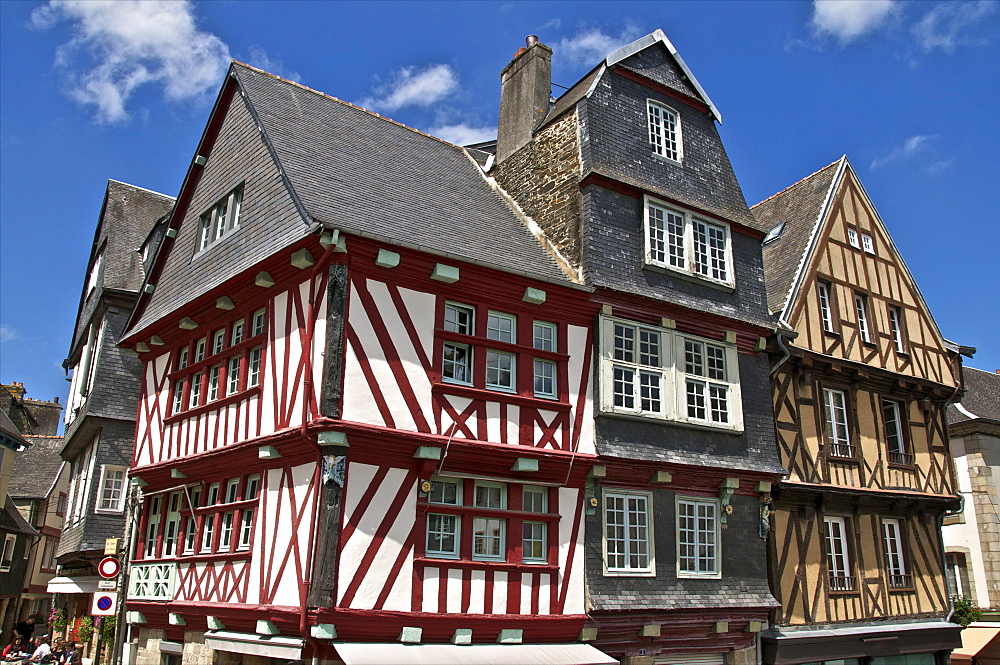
43,653
14,650
71,655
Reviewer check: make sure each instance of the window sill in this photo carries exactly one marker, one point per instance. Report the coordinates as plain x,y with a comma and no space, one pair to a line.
724,429
696,576
465,390
902,589
629,573
211,406
687,276
428,562
832,333
668,160
108,511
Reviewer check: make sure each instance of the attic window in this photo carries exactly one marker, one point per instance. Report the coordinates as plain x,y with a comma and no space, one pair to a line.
664,130
221,219
774,233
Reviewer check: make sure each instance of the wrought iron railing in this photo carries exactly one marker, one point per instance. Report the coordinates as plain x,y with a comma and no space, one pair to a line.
900,581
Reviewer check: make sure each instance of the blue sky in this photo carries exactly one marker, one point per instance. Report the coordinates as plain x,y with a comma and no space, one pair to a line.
91,91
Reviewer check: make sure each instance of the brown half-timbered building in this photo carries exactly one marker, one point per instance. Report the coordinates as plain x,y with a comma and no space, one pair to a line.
860,381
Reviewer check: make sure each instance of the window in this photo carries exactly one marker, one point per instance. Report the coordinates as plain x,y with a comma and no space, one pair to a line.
895,436
195,384
837,435
457,359
838,562
49,554
852,238
501,327
443,530
221,219
660,373
7,556
191,524
500,370
861,306
112,497
459,318
152,526
867,243
545,378
95,272
679,241
247,514
896,328
489,532
627,533
534,536
664,130
543,336
697,538
895,564
773,234
171,529
825,308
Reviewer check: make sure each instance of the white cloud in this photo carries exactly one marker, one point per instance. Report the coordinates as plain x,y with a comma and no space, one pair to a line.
8,334
939,166
849,19
258,57
909,148
119,45
942,26
464,133
412,87
591,45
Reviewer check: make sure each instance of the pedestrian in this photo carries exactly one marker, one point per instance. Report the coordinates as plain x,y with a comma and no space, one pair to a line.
26,629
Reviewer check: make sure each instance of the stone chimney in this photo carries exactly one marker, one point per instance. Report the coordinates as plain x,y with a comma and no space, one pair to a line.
525,86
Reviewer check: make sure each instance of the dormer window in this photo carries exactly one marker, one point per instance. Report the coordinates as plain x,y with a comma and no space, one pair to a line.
221,219
680,241
664,130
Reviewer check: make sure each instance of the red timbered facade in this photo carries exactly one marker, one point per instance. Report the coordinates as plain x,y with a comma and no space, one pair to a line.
353,431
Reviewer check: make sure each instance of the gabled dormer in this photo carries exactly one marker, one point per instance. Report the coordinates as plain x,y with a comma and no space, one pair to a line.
638,193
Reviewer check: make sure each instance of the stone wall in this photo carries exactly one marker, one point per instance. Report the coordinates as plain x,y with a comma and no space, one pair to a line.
543,177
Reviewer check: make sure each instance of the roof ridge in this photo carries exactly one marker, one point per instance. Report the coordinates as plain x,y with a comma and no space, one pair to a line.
345,103
145,189
799,182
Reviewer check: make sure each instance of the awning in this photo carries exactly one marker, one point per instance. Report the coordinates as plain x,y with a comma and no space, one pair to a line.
473,654
86,584
976,638
270,646
788,646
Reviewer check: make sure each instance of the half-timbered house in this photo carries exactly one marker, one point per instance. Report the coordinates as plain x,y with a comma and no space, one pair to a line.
861,380
626,175
366,426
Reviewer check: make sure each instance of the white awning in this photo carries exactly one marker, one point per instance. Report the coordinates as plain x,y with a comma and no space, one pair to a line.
86,584
474,654
270,646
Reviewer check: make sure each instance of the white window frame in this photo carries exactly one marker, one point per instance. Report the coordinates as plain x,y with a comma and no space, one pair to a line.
678,251
218,341
896,439
456,359
221,219
825,305
467,328
699,536
544,382
118,505
233,375
852,238
236,336
896,327
544,336
838,424
7,555
497,376
259,322
253,366
673,380
172,525
895,557
95,271
864,321
629,540
456,532
540,507
501,327
868,244
838,555
152,526
664,125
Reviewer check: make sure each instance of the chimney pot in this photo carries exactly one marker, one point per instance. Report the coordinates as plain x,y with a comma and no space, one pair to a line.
531,40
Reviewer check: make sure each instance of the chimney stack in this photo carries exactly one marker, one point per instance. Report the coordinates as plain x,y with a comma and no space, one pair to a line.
525,86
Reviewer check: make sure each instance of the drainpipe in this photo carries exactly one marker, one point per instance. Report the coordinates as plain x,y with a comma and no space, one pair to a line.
785,353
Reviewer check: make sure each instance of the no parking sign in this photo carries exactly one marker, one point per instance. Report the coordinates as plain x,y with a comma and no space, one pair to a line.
105,604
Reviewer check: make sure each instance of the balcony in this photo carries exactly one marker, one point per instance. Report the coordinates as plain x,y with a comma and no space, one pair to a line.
152,581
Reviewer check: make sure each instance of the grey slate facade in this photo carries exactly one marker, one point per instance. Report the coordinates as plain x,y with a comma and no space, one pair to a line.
101,410
584,178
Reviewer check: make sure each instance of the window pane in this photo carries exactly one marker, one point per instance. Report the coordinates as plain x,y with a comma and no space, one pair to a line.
499,370
624,343
500,327
545,378
442,534
650,392
544,336
444,491
533,541
487,539
458,318
457,363
624,387
649,347
696,399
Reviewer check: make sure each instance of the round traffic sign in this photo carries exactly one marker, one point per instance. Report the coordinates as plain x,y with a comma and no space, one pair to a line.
104,603
109,567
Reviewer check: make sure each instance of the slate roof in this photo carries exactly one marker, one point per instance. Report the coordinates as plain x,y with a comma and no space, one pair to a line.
36,469
9,434
685,594
12,520
981,400
370,176
800,207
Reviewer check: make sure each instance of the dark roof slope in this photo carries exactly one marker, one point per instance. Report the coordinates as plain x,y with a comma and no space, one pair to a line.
799,207
10,437
36,469
981,400
368,175
12,520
